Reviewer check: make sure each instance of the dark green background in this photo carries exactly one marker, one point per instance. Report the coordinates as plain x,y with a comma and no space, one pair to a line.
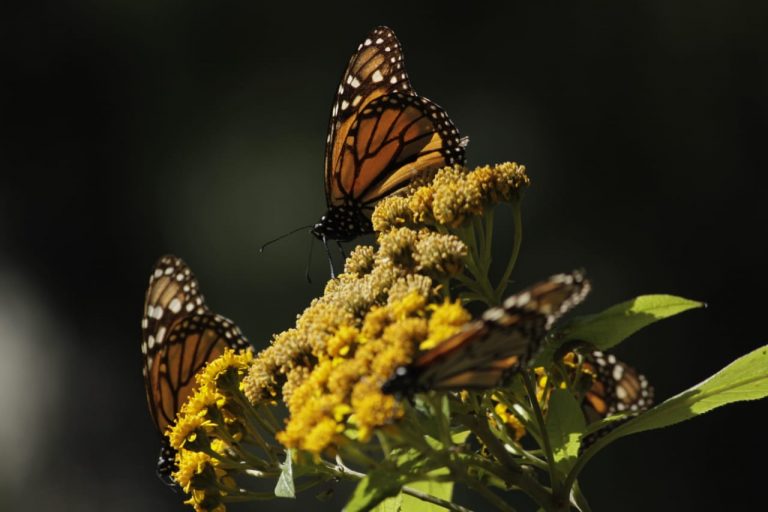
198,128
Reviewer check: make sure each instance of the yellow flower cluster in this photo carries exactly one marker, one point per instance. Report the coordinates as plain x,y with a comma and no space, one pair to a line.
406,261
453,195
342,394
371,319
197,433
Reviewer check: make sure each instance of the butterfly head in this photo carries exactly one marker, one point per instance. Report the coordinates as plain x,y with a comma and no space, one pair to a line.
404,383
342,223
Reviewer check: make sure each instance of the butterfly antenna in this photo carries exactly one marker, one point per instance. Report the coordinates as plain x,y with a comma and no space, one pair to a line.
283,236
309,259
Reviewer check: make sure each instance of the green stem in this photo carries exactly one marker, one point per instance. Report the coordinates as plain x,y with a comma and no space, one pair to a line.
468,235
531,389
247,496
515,475
486,493
518,240
488,226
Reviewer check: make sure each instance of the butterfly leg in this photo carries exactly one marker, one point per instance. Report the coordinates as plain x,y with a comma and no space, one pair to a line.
330,260
309,259
341,250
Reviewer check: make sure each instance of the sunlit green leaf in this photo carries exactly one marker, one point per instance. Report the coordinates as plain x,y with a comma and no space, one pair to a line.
565,426
373,489
615,324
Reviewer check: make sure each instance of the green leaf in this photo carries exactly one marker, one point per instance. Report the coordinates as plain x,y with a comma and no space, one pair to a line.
373,489
284,487
615,324
393,504
565,425
443,490
744,379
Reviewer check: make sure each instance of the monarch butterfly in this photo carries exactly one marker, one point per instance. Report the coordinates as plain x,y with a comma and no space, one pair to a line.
615,387
180,334
381,136
488,350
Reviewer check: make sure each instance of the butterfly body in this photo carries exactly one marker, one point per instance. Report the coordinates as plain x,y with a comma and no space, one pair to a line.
180,336
343,223
486,351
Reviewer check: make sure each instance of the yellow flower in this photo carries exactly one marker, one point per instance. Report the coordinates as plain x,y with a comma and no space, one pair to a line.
203,398
439,254
187,429
447,319
391,212
510,420
359,262
341,343
189,464
409,305
228,360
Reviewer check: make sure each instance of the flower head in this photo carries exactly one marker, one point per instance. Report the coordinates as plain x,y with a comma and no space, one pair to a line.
375,316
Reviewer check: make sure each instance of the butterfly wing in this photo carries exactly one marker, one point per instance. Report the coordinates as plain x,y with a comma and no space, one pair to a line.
192,343
374,70
172,294
487,350
616,387
391,141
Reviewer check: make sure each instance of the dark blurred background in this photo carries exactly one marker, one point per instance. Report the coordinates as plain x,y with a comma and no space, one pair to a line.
134,129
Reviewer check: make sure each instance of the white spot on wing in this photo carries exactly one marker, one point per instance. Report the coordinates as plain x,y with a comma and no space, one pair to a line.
175,305
377,76
155,312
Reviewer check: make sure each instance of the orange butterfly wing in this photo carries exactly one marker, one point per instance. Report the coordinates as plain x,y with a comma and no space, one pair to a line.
180,335
374,70
393,140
